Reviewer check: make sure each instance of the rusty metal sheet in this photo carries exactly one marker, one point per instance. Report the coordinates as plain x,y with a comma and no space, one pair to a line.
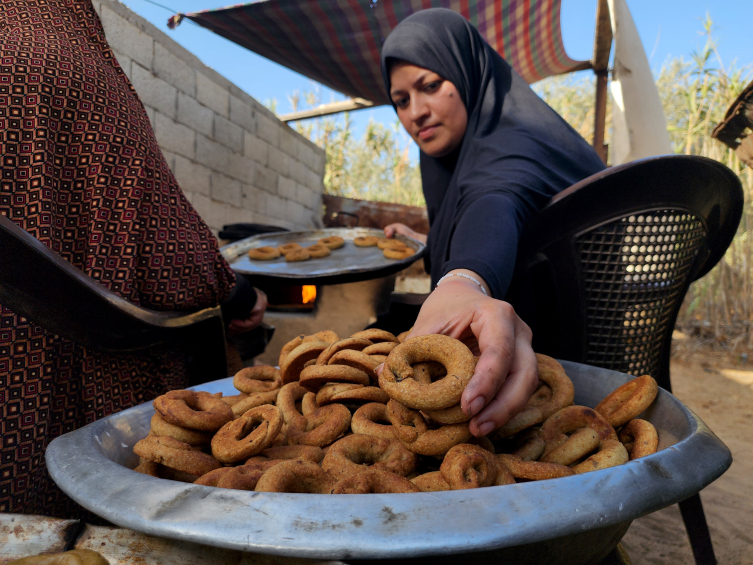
125,547
22,535
347,264
342,212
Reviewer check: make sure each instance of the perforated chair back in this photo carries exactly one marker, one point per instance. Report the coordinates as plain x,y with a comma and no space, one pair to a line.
603,270
41,286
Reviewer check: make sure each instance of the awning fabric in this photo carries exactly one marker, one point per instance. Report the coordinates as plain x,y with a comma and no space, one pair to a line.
337,42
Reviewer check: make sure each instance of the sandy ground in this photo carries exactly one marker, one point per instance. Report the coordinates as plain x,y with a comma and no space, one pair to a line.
721,393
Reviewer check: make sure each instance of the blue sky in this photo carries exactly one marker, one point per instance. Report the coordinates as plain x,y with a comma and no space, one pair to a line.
668,28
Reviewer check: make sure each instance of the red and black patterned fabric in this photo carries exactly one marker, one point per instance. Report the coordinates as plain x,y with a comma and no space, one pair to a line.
82,172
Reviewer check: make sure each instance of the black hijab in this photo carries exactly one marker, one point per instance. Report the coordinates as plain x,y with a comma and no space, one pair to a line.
515,155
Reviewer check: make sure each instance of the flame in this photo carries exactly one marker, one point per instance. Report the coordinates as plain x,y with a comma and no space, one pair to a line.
308,294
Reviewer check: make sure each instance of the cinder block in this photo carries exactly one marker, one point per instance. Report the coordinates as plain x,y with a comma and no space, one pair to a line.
298,172
225,189
289,141
276,207
124,61
239,215
287,188
249,197
306,155
314,181
265,179
242,114
212,95
268,129
191,176
169,158
320,162
213,213
228,134
154,91
174,71
211,154
240,168
279,161
297,213
195,115
255,148
126,38
308,198
150,113
175,137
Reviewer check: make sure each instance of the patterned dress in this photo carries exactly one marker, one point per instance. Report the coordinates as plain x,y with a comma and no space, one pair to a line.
82,172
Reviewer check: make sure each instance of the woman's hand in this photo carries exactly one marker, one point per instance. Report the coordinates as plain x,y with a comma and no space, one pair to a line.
506,373
402,229
254,318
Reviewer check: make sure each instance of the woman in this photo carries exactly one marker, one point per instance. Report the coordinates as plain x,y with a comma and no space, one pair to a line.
492,155
83,173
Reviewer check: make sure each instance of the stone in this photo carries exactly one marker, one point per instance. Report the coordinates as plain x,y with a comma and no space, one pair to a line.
279,161
212,95
225,189
174,71
174,136
228,134
191,176
242,114
255,148
154,91
195,115
126,38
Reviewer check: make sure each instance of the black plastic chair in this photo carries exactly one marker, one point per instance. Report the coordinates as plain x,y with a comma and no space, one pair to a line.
603,270
41,286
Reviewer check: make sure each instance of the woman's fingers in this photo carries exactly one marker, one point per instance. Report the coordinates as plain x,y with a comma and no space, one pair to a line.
518,386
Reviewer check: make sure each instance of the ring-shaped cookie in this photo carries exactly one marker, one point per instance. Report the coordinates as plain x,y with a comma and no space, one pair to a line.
610,454
533,470
398,254
254,400
396,377
318,251
292,365
366,420
296,476
289,395
350,393
332,242
162,428
375,335
175,454
325,335
316,376
374,482
573,418
319,428
431,482
355,343
265,253
451,415
297,256
356,359
639,438
357,452
628,401
286,452
573,449
250,434
469,466
366,241
289,248
194,410
381,348
261,378
384,243
413,432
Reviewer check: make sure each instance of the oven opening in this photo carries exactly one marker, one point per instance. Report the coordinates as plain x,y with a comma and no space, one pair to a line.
291,298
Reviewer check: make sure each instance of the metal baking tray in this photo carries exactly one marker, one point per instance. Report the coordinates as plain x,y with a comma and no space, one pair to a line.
557,521
344,265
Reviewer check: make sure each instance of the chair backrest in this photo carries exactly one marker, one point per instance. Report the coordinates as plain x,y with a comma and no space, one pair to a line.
603,269
41,286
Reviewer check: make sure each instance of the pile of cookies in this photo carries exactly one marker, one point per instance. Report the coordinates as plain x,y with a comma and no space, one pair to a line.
326,422
294,252
392,248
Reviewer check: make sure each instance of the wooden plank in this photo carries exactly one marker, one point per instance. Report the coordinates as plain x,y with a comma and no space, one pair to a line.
23,536
603,37
327,109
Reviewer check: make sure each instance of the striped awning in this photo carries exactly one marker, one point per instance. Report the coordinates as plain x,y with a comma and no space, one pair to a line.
337,42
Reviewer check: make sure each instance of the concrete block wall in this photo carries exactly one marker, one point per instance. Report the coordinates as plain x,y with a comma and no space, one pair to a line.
235,161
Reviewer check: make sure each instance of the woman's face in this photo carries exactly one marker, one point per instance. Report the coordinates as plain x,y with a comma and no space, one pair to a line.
429,107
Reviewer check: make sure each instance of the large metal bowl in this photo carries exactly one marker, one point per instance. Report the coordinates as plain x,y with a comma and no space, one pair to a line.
575,519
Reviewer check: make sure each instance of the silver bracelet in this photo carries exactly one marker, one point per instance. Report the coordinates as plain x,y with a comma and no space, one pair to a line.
469,277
